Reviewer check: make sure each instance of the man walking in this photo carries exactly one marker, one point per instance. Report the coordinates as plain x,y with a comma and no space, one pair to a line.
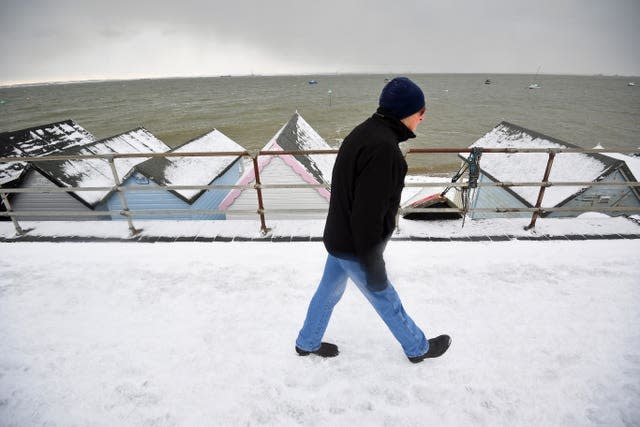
368,178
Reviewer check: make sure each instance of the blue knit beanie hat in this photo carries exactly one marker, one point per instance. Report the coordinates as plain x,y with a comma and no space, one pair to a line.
402,97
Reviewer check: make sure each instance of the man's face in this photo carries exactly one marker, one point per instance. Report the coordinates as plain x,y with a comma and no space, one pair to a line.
414,120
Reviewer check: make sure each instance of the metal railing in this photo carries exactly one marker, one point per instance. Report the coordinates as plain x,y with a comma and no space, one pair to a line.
536,210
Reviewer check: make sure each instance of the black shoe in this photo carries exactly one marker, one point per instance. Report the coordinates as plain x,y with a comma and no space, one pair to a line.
326,350
437,347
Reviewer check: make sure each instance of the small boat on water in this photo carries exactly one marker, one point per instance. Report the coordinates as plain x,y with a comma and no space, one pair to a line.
631,84
313,82
487,82
535,85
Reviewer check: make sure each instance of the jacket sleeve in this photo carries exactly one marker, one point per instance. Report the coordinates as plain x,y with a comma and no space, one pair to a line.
373,190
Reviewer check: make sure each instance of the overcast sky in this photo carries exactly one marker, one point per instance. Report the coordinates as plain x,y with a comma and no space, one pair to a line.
51,40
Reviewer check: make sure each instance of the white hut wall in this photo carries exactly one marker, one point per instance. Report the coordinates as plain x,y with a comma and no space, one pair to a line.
52,202
278,172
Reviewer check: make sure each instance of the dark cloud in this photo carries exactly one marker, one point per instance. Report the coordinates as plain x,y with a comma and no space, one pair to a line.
564,36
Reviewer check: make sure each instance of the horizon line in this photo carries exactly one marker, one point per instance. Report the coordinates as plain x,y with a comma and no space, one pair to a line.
125,79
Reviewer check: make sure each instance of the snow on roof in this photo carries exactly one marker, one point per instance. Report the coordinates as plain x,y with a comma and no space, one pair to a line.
39,141
11,171
135,141
297,134
530,167
633,163
192,170
97,172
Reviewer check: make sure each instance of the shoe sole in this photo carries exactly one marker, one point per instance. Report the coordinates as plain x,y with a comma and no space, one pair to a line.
320,352
419,359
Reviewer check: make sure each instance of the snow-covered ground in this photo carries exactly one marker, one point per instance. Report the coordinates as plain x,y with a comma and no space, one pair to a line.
186,334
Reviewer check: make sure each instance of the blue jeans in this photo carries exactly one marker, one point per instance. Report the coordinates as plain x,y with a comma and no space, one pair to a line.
386,303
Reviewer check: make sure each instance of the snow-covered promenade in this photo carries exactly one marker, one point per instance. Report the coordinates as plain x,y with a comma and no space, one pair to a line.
186,334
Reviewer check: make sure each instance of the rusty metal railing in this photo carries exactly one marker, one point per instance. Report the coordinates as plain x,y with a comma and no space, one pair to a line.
129,215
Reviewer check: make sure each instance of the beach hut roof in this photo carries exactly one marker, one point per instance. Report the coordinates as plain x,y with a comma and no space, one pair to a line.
297,134
97,172
38,141
192,170
529,167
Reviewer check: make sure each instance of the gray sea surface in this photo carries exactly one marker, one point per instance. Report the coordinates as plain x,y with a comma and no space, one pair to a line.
582,110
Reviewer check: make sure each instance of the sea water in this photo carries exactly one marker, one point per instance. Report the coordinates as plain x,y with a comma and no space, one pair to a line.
582,110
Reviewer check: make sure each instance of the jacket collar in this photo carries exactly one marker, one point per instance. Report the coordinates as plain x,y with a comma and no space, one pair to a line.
399,128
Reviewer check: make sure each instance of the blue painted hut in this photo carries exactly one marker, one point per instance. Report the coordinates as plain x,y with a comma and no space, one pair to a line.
219,170
530,167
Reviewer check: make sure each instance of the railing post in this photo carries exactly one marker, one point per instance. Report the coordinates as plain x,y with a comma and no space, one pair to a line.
123,200
256,170
543,187
7,205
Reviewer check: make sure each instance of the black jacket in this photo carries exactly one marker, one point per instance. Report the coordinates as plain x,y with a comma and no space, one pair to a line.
366,185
